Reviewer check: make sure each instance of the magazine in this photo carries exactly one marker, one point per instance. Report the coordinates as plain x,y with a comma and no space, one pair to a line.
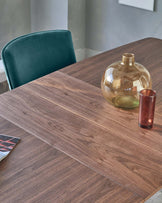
7,143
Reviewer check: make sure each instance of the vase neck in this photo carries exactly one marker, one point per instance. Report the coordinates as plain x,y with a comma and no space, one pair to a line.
128,59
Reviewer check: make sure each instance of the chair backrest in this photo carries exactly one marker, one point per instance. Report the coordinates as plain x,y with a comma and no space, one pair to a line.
34,55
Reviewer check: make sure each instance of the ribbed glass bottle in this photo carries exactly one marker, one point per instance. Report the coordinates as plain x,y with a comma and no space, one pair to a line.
123,80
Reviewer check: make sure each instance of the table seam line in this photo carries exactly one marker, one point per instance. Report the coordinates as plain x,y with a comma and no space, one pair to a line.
91,121
84,164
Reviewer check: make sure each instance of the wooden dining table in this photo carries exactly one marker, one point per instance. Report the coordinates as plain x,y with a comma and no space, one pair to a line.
75,146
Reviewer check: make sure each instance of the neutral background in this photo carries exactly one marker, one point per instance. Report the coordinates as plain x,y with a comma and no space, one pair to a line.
14,19
96,25
110,24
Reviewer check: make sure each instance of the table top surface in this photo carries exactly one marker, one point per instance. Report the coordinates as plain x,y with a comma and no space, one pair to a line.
76,147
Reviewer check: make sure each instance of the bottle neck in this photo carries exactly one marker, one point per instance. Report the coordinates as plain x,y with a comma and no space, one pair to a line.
128,59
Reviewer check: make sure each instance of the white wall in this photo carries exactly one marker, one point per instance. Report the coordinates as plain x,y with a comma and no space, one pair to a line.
77,24
96,25
49,14
110,24
14,19
19,17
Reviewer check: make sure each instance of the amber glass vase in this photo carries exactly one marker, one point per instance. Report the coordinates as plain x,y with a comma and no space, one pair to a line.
123,80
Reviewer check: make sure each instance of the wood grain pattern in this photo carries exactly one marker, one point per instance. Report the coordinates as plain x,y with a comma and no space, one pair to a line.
72,116
147,52
36,172
108,148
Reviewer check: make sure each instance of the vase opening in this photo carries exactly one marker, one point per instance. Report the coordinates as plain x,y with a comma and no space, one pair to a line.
128,59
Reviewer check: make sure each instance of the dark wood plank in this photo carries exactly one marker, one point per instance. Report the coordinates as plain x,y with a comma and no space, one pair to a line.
36,172
147,52
78,121
87,101
111,148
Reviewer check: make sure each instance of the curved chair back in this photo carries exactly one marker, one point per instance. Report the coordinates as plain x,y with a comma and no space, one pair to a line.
34,55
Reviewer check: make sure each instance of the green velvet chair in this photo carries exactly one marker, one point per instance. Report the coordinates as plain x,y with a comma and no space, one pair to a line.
34,55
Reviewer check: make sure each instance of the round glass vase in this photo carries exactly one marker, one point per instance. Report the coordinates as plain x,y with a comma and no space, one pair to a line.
123,80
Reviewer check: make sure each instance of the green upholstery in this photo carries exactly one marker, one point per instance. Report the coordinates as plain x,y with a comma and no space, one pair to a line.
34,55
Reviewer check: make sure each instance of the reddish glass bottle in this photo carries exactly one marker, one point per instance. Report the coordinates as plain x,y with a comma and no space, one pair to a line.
146,108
